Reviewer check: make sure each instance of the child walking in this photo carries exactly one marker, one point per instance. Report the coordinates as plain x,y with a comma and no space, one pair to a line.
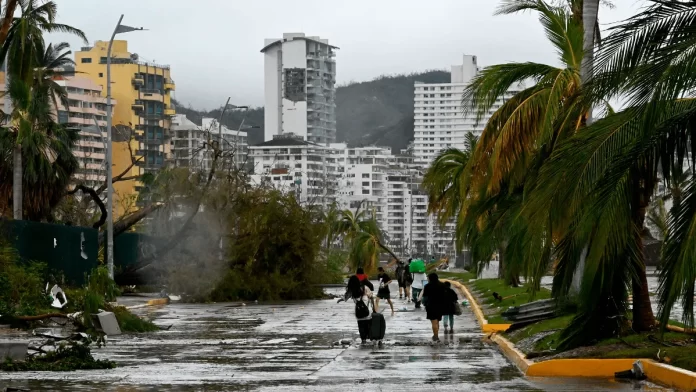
450,303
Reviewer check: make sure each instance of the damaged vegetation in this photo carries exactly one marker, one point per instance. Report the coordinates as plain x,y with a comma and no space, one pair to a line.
25,304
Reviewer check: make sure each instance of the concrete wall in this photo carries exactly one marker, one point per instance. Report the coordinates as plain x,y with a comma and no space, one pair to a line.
294,114
272,92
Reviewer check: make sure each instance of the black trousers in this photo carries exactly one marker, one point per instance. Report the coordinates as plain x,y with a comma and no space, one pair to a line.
364,328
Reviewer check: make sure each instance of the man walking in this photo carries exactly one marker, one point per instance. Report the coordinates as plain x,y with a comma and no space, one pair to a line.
400,269
383,291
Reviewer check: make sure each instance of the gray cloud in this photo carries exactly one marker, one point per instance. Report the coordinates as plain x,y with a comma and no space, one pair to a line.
213,46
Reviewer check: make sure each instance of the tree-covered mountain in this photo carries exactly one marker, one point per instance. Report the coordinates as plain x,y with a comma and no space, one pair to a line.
376,112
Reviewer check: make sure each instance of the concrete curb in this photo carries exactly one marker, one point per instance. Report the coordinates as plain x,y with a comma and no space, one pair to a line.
660,373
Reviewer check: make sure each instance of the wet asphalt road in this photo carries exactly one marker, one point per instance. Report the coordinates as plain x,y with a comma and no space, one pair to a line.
289,347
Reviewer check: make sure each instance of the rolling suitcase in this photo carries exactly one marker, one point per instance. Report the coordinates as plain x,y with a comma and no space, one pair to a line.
377,327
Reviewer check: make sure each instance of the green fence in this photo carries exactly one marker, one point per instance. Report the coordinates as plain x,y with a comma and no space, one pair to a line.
69,251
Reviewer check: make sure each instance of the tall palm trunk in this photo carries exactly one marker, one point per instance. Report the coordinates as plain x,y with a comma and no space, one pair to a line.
17,181
643,316
590,12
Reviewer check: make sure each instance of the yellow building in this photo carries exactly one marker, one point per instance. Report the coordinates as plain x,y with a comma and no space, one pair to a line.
142,91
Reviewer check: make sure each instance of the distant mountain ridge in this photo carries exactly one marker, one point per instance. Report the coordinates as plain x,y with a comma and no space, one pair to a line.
377,112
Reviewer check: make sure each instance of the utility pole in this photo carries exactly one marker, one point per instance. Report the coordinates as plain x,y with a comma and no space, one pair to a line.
109,186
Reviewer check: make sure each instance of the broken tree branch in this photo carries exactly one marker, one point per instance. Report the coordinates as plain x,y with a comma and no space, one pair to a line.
126,222
41,317
97,200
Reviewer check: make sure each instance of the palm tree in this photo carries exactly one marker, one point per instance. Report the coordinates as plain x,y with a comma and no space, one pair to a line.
47,145
516,140
362,234
445,178
23,47
608,172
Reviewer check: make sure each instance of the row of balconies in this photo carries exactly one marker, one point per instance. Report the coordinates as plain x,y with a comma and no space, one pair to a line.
169,84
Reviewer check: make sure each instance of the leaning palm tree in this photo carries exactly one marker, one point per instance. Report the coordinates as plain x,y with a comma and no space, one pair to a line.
23,47
445,177
608,172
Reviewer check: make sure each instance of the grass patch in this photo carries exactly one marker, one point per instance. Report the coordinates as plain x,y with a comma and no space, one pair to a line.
683,355
557,323
513,296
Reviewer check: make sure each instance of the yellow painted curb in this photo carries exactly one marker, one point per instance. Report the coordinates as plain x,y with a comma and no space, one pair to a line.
669,376
158,301
512,353
660,373
485,327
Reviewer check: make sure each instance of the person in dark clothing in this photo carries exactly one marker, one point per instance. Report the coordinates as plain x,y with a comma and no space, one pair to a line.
383,291
364,279
450,301
434,300
400,278
359,292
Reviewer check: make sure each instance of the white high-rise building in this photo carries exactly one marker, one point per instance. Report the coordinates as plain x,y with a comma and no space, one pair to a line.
190,143
292,164
439,121
370,178
300,88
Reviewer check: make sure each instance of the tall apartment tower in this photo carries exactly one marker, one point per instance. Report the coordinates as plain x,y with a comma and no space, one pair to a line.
300,88
143,91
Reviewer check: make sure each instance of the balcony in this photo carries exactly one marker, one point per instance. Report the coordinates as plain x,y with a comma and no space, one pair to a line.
138,80
138,105
151,94
152,116
169,112
169,84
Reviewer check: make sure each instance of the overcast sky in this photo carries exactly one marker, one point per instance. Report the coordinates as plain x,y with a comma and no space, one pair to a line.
213,45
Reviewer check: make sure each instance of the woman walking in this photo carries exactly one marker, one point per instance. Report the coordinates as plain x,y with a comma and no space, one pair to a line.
450,303
362,297
434,300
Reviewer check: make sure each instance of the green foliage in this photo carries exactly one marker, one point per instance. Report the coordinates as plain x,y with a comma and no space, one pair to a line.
67,357
275,253
128,322
101,284
22,286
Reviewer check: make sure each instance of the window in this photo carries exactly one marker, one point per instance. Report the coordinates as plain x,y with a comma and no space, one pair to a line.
101,75
365,191
366,183
86,60
366,175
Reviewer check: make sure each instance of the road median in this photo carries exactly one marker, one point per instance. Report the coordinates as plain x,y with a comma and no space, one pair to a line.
660,373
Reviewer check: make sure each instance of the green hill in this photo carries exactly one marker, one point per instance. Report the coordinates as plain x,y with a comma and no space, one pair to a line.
378,112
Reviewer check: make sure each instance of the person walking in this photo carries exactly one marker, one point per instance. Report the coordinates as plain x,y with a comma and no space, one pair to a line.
383,291
433,297
408,281
400,269
364,279
419,280
450,303
362,297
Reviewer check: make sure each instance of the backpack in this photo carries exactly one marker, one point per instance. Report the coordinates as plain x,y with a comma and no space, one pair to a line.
361,309
408,277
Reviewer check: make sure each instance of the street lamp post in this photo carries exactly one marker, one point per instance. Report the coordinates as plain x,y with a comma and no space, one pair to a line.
109,188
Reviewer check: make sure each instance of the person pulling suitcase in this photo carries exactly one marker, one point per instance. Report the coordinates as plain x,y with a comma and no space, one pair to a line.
378,327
